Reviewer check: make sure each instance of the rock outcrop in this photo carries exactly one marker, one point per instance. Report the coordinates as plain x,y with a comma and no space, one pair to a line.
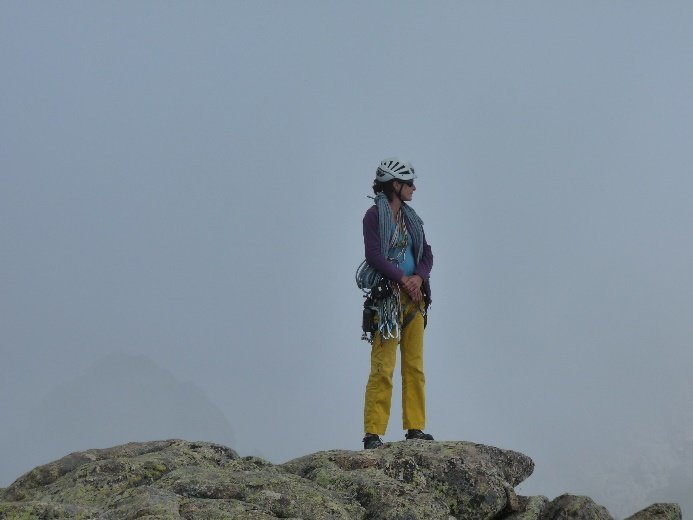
658,512
407,480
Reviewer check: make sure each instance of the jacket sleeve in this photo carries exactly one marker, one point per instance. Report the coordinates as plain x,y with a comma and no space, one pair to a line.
371,242
423,268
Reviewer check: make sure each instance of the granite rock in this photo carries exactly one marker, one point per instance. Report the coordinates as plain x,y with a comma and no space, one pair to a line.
182,480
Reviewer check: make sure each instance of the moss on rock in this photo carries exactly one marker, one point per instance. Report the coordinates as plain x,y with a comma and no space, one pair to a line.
181,480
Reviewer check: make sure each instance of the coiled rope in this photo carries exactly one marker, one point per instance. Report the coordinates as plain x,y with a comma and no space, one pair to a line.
367,277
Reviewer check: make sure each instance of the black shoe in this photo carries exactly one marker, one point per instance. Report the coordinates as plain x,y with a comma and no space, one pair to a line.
418,434
371,441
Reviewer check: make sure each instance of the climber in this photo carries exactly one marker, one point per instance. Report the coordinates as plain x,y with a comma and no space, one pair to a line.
395,275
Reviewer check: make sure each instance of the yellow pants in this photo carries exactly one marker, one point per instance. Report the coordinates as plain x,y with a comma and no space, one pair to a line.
376,413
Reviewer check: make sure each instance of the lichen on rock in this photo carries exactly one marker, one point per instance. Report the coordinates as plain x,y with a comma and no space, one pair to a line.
182,480
422,479
659,511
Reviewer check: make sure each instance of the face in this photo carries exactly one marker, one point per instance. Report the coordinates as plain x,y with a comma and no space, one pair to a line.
408,189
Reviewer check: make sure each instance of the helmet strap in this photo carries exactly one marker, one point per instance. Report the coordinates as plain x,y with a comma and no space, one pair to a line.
399,192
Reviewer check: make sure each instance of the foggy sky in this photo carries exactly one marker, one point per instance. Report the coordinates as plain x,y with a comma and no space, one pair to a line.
186,182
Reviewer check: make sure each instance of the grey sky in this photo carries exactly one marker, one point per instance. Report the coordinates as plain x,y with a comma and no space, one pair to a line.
186,182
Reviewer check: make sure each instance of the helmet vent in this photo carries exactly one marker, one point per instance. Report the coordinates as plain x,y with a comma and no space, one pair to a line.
394,168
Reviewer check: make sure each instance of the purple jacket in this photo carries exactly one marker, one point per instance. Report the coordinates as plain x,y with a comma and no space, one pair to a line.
371,242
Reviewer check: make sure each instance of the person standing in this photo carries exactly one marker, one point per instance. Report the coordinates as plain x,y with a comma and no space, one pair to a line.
396,273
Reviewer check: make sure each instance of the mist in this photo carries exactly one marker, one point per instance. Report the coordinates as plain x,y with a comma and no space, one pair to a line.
182,188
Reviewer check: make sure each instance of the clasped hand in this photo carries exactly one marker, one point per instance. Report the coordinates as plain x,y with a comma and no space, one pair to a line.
412,284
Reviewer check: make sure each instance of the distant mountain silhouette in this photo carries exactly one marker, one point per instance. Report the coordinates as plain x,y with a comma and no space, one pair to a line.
119,399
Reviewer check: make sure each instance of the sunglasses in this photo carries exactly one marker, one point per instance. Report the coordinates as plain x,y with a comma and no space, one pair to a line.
408,183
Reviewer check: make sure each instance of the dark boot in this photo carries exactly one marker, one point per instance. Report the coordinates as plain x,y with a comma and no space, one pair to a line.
371,441
418,434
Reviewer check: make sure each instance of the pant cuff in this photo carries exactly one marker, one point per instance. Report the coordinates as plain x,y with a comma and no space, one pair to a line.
378,430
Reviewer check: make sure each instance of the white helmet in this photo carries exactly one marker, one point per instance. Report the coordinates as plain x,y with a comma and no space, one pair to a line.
394,168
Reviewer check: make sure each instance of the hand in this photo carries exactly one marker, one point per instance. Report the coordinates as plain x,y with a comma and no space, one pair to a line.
416,296
412,284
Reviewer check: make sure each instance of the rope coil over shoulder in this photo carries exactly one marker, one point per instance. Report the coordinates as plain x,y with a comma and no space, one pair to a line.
367,277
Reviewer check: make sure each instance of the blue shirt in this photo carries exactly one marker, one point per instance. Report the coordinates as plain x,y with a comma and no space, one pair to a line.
404,260
408,265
